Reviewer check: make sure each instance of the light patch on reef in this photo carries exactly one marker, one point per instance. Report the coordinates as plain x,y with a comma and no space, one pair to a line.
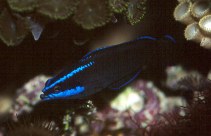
128,99
176,73
144,102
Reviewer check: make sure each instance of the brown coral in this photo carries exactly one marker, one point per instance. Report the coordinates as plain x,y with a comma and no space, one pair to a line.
57,9
135,11
91,14
13,28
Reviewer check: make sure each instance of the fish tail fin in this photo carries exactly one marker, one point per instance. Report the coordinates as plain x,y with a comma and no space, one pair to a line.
168,50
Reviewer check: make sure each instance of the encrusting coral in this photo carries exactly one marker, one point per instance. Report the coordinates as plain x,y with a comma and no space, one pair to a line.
196,14
89,14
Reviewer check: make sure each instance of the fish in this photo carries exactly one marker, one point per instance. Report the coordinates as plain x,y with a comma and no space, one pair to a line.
110,67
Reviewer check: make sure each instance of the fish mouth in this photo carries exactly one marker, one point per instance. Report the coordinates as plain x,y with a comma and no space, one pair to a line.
44,97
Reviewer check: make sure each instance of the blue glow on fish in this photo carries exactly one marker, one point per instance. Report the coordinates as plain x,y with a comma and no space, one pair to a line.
171,38
140,38
66,93
127,81
69,75
147,37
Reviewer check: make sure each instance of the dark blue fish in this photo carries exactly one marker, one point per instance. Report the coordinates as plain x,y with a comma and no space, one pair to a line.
112,67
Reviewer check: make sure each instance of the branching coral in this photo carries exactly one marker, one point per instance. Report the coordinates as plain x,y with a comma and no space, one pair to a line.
197,15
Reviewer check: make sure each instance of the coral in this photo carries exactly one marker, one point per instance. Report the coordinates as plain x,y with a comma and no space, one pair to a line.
13,28
194,122
197,15
77,121
135,11
28,96
22,5
57,9
176,73
92,13
137,107
89,14
118,6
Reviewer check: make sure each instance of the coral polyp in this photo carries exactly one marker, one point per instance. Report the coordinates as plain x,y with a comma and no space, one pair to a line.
206,42
197,15
205,24
182,13
200,8
192,32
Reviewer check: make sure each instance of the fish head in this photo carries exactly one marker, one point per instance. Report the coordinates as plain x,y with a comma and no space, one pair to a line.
59,90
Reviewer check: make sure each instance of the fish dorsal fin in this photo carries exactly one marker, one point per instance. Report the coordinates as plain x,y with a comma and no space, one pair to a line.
88,55
124,81
169,37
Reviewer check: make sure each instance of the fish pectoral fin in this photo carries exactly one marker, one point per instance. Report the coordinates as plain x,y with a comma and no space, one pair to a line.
124,81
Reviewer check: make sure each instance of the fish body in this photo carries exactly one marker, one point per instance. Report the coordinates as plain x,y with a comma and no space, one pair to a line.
112,67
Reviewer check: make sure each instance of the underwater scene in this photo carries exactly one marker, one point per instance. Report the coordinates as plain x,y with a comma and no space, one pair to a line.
105,68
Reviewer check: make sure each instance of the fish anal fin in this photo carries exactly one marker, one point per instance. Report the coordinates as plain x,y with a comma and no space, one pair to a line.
124,81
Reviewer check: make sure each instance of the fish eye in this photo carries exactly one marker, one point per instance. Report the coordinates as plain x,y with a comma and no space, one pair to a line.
57,88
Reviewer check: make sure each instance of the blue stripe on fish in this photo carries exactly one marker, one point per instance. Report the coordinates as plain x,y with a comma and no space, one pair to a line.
66,93
69,75
171,38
